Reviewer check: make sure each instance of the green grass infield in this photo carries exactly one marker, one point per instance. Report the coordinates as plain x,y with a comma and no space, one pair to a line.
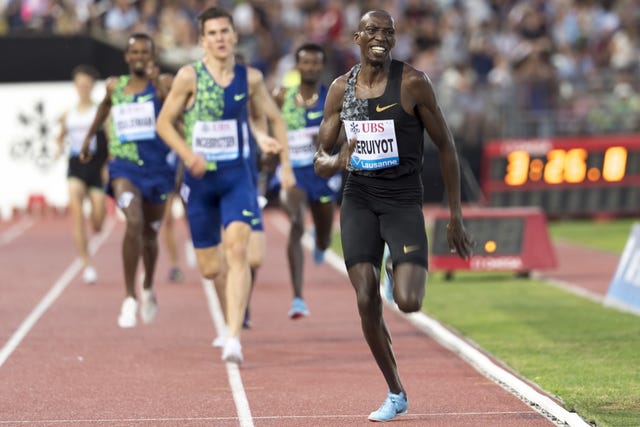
585,354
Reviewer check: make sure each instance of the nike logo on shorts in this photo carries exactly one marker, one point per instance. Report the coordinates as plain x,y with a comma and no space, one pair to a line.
410,248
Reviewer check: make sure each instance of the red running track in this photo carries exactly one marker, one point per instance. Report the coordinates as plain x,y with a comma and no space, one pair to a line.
64,361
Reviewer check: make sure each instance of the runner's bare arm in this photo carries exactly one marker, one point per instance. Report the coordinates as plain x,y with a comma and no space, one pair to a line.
262,104
418,88
179,96
325,163
61,135
104,108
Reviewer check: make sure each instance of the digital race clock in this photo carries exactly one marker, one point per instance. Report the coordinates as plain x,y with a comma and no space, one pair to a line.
583,176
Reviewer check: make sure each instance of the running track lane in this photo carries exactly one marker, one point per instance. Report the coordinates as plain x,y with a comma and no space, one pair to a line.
76,367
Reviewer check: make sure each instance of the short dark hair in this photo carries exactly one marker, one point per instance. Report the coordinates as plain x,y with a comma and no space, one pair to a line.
141,36
213,13
311,47
89,70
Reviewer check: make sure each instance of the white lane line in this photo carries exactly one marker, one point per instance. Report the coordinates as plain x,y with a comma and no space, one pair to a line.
117,421
15,230
538,401
407,417
56,290
233,372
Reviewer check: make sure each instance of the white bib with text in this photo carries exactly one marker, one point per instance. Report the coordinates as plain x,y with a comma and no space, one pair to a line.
134,122
302,146
376,146
216,141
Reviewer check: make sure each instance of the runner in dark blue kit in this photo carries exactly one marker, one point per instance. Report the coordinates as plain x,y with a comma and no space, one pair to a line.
385,106
302,107
139,177
218,100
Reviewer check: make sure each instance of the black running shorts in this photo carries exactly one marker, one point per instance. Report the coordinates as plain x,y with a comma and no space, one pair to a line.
371,215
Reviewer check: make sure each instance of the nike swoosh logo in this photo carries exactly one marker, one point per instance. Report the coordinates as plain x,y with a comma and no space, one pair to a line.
380,109
246,212
145,98
312,115
239,96
411,248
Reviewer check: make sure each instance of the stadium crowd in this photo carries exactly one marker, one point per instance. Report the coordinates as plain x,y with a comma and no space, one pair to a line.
502,68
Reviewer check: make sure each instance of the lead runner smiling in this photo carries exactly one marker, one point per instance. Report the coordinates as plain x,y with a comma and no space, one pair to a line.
381,99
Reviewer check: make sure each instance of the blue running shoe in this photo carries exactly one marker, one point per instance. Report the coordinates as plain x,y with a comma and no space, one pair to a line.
318,255
394,404
298,309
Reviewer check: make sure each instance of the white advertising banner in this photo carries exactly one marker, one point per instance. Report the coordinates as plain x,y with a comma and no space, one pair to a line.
29,124
624,289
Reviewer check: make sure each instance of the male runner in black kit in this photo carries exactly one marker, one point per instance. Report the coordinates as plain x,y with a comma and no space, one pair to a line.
385,106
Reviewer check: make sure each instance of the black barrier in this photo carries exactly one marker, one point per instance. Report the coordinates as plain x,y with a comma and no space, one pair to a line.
31,58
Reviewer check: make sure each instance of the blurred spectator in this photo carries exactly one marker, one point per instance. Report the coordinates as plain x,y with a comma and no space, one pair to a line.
481,51
148,21
619,50
176,30
529,67
120,18
537,90
427,56
39,14
11,16
71,17
324,23
460,101
453,33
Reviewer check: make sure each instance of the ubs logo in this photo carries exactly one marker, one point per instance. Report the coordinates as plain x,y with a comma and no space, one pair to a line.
369,127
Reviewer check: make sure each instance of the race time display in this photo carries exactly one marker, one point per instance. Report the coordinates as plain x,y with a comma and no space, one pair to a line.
578,176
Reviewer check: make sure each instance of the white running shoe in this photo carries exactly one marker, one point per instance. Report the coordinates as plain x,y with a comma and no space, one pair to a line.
89,275
148,306
219,341
127,318
232,352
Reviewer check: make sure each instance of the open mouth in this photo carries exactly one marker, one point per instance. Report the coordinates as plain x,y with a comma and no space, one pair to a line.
378,50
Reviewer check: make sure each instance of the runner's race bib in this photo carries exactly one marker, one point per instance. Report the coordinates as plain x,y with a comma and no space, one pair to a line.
301,146
216,140
376,146
135,121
